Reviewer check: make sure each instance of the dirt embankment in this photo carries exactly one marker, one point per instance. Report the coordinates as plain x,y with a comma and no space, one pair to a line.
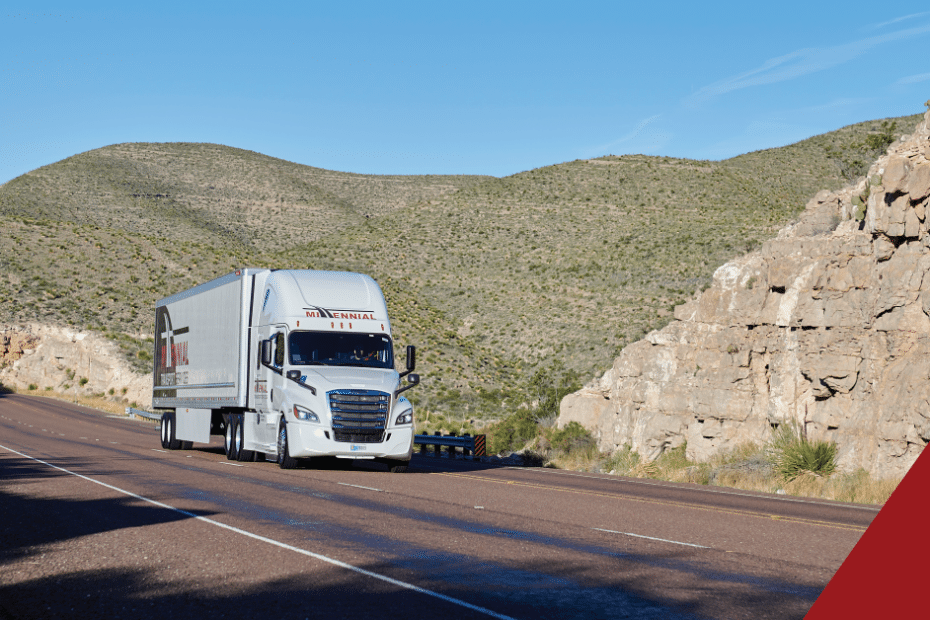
68,362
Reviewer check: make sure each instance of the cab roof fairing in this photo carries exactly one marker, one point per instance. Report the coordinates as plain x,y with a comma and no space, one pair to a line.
298,294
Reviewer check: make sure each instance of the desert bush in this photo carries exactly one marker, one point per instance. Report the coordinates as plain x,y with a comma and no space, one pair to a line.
513,432
573,437
792,454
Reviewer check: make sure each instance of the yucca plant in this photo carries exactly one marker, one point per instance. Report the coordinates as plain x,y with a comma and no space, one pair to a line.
792,454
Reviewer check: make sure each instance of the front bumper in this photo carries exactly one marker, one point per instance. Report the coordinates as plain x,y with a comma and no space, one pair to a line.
307,440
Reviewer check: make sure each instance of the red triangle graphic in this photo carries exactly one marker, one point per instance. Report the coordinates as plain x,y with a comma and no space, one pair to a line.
885,575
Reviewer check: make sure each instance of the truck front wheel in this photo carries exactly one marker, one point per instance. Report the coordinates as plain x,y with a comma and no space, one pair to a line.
285,460
239,439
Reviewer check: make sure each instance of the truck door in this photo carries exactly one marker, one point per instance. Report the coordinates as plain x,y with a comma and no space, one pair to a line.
272,377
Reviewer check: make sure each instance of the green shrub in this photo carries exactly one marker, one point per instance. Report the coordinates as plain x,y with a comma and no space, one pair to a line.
33,386
83,381
513,432
573,438
792,454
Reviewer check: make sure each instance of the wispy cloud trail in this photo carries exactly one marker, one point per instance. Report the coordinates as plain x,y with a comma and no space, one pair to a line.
914,79
797,64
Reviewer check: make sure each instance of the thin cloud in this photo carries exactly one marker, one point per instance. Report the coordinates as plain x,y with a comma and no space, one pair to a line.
899,19
628,137
914,79
797,64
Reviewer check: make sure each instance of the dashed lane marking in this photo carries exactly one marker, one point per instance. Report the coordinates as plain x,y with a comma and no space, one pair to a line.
674,542
358,486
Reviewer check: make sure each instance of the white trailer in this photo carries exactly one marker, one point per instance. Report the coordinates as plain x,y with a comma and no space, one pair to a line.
288,364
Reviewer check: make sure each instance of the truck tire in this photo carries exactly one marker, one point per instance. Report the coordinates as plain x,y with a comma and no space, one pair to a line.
285,460
168,439
231,429
241,453
165,429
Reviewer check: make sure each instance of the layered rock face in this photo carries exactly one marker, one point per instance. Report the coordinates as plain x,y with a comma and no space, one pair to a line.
56,358
827,325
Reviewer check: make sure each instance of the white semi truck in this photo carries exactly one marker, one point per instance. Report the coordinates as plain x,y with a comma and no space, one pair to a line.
285,363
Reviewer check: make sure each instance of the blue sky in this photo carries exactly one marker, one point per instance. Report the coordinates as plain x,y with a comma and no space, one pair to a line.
475,88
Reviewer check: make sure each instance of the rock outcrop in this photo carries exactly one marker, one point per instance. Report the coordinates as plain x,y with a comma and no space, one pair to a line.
827,325
61,359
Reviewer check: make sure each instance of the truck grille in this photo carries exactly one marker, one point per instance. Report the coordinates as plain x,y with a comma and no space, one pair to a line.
359,416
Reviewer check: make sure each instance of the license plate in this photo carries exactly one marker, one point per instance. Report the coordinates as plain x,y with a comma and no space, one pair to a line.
355,448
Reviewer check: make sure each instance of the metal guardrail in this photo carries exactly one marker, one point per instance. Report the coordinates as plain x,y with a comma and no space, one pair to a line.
473,446
131,412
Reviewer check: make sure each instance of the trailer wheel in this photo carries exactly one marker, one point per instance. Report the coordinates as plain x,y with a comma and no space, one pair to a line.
239,438
231,429
168,439
285,460
165,430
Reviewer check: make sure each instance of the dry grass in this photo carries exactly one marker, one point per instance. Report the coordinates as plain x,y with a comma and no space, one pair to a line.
112,404
747,468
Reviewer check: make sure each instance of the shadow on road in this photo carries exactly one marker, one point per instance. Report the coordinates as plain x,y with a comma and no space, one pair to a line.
28,523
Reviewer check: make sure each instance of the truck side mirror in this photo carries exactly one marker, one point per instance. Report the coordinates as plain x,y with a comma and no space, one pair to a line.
411,358
266,352
412,380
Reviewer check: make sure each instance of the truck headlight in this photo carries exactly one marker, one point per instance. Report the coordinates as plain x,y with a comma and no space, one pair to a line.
405,418
302,413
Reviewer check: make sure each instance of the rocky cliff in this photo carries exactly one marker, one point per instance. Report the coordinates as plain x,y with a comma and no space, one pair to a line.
826,325
68,362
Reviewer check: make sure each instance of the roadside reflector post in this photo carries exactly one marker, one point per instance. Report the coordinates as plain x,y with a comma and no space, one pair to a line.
479,446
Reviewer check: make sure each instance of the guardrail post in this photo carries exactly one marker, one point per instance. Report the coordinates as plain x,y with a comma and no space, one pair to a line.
466,449
479,444
451,451
437,448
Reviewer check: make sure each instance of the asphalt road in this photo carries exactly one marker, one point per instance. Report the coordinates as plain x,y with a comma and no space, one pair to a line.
96,520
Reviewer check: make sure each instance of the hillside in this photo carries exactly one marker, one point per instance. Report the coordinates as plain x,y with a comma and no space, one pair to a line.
546,273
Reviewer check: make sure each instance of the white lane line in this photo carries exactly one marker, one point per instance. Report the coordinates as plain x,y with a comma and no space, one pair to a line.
358,486
271,541
157,450
233,464
675,542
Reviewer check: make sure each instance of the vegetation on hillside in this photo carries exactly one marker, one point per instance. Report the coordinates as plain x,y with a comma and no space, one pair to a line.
514,289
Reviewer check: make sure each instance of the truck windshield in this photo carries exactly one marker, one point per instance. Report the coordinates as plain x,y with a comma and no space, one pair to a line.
340,349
